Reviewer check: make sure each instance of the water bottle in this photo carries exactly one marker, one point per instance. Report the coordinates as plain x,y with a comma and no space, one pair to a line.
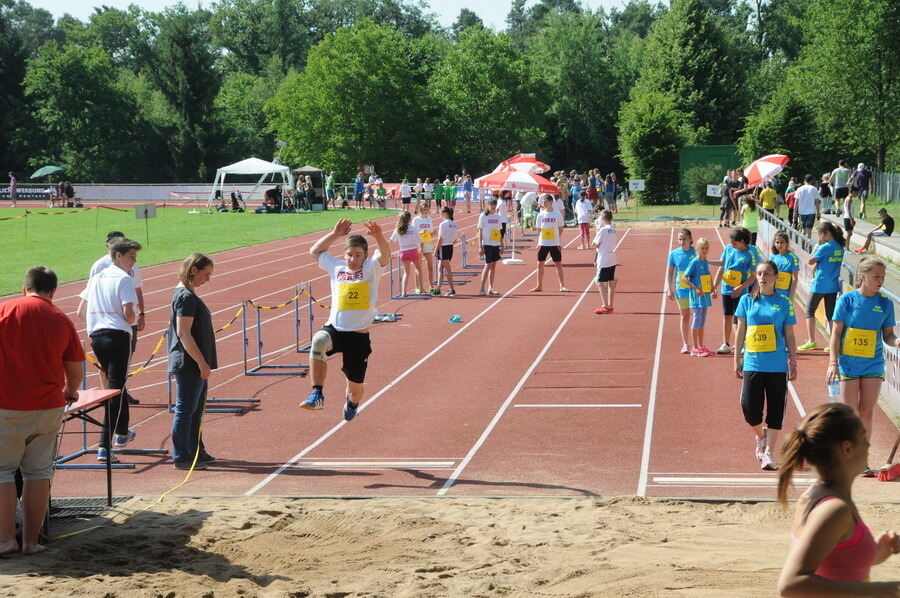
834,391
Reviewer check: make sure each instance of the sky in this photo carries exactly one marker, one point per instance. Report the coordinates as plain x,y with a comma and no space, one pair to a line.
492,12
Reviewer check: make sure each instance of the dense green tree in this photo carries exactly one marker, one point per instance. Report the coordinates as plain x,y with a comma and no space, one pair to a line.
636,17
14,111
34,26
651,133
848,72
121,33
253,31
491,101
523,23
183,69
239,111
85,117
327,16
466,19
357,102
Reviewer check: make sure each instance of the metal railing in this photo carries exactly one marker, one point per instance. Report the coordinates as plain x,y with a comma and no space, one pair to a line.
887,186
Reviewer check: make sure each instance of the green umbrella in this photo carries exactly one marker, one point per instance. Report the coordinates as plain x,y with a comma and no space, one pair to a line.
47,171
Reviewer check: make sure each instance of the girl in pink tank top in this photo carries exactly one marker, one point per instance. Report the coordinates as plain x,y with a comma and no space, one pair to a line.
832,550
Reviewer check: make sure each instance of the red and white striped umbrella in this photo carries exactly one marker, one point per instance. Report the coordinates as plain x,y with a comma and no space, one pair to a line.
514,180
523,163
765,168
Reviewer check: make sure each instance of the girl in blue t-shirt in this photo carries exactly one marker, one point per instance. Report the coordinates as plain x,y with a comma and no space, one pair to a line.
699,281
826,283
863,322
788,265
765,332
678,290
736,275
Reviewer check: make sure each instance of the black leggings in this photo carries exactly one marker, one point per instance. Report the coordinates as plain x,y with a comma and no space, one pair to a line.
113,350
815,299
764,388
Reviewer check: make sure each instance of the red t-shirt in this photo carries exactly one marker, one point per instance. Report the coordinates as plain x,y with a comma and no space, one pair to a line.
35,339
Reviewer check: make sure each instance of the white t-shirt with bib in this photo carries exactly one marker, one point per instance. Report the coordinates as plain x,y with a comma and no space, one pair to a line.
424,228
489,224
549,224
448,232
353,294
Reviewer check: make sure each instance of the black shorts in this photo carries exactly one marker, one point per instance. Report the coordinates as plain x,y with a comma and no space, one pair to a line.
848,226
764,389
445,252
606,274
491,254
355,347
841,192
553,251
406,200
729,304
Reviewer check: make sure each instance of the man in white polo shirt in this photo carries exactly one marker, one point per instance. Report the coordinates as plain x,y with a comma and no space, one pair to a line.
807,197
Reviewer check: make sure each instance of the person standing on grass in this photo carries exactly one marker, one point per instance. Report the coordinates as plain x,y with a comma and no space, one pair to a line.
863,322
832,550
584,212
765,357
109,307
191,341
489,239
550,223
329,189
605,244
788,265
13,188
696,277
885,229
735,274
354,288
826,283
40,372
678,289
447,235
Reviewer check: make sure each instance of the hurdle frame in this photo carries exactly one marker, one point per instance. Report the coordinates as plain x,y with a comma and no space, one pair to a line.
262,369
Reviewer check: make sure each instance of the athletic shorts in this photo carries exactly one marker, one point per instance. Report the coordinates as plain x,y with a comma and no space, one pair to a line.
607,274
329,193
357,195
445,252
848,226
406,200
729,304
764,389
553,251
807,220
841,192
410,255
491,254
355,347
28,443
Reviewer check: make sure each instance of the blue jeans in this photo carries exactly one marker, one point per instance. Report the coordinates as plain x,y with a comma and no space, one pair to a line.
190,399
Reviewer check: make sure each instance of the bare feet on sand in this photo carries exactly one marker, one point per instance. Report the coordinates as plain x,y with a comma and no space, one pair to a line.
33,548
9,547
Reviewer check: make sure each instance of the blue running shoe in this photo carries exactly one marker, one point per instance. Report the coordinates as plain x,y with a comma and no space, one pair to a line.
315,400
349,410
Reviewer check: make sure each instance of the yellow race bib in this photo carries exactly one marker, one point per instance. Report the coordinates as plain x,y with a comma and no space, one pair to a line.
681,283
732,278
548,234
760,338
783,281
495,235
353,296
860,343
706,283
425,235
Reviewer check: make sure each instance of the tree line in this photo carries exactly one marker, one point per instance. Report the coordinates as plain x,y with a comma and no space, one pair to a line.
138,96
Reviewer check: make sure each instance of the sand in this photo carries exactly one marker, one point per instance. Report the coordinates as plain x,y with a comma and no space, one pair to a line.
420,547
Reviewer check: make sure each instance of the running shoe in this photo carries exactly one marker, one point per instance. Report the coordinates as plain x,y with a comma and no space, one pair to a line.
869,473
206,458
315,400
493,292
768,462
349,410
417,291
435,292
123,439
601,310
860,250
760,448
101,456
186,465
697,353
706,352
481,293
725,349
450,294
685,349
808,346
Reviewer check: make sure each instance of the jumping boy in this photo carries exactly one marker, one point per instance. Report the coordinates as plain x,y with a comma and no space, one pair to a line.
354,287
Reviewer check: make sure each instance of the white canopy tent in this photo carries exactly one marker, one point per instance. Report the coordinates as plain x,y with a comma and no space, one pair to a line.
251,166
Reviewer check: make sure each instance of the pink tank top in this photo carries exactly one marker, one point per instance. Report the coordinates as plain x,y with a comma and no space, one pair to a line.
851,560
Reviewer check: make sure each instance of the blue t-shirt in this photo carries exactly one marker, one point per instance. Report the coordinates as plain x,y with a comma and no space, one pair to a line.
467,186
695,270
827,278
741,261
679,259
867,316
787,264
765,315
359,183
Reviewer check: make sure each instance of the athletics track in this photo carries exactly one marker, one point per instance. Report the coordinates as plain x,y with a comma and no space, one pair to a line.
530,395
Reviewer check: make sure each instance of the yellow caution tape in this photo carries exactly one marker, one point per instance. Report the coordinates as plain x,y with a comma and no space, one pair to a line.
235,317
285,304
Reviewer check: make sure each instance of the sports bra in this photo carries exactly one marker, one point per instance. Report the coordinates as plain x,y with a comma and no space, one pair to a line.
852,559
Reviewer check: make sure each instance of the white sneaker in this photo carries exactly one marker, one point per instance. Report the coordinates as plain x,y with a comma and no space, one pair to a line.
725,349
768,462
760,447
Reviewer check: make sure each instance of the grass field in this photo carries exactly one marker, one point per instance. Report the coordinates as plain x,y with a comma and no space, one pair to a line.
70,242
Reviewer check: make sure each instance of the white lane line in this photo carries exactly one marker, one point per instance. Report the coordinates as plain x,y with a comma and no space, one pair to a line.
515,391
376,464
576,405
694,481
651,403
